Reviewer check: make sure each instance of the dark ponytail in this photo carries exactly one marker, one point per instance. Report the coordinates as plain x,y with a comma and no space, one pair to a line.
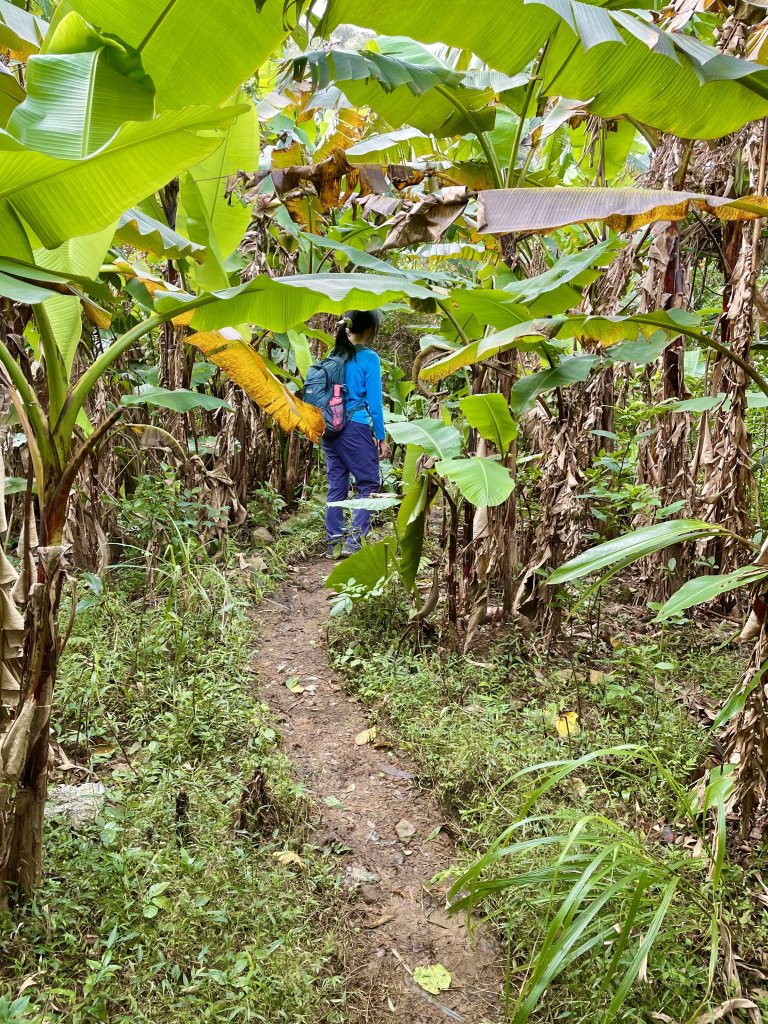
356,321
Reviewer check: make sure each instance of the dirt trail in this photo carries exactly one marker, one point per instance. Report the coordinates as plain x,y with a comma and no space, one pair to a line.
362,795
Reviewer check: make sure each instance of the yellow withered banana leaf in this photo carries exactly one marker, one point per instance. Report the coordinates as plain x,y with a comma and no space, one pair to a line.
246,368
153,285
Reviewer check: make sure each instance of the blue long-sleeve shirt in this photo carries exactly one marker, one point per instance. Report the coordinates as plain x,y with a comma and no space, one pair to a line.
363,381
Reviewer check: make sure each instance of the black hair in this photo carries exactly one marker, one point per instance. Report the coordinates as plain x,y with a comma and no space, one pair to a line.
356,321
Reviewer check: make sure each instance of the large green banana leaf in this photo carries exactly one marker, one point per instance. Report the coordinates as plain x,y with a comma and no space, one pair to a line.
410,530
78,257
62,199
388,79
490,416
278,304
147,234
530,335
627,549
205,213
79,92
614,60
436,438
195,51
482,481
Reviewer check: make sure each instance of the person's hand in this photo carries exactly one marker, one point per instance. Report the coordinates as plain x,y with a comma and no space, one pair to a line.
383,450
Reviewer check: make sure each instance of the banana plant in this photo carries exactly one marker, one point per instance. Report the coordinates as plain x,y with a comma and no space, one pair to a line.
478,481
612,59
80,151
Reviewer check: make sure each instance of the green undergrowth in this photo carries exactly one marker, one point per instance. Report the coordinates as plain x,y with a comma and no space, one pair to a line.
173,905
475,725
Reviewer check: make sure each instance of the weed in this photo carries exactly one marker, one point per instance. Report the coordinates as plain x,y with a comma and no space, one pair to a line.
164,910
475,728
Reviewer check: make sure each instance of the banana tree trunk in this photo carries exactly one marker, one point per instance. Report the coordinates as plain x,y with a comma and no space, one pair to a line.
569,445
564,520
663,460
30,652
746,746
728,478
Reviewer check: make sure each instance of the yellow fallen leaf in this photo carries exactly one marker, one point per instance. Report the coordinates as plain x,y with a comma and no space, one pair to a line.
227,349
366,736
434,979
567,724
286,857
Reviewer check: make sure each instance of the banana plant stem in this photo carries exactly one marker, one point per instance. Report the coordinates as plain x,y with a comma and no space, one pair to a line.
54,367
459,329
27,397
521,123
82,389
490,156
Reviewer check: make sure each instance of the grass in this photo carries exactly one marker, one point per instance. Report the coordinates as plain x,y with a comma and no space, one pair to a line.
473,725
170,907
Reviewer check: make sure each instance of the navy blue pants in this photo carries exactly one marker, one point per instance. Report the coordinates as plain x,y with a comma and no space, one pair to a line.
353,452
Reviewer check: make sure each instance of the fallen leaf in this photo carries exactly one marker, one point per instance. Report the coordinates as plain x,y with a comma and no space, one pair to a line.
378,922
366,736
405,829
727,1007
434,979
286,857
567,724
29,982
434,833
596,676
361,875
642,973
293,685
396,773
335,803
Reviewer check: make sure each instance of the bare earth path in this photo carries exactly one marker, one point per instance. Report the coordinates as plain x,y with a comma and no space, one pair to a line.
362,794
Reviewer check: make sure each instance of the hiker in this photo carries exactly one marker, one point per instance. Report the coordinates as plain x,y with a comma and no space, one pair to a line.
353,449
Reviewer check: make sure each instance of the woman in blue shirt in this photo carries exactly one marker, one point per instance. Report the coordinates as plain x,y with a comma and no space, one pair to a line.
354,452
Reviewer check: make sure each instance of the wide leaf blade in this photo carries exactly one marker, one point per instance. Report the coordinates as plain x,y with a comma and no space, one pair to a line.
434,436
146,234
179,400
194,52
490,416
632,546
61,199
79,92
482,481
278,304
707,588
502,211
367,567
